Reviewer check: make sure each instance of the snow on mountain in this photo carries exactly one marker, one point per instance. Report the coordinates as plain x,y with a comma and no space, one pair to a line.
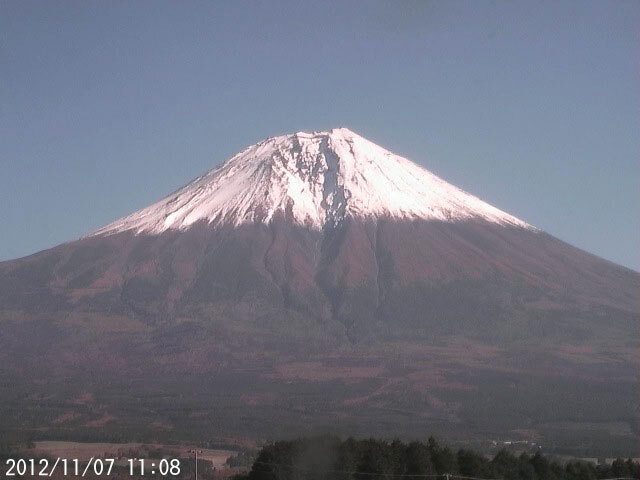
314,179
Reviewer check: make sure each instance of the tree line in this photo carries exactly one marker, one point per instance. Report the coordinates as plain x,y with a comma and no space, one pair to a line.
330,458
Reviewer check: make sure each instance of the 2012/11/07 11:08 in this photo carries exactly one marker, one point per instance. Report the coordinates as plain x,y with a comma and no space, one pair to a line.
95,466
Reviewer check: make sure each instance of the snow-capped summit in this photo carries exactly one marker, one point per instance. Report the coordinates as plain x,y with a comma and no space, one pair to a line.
313,179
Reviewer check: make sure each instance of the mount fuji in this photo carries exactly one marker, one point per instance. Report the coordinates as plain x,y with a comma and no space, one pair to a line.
315,282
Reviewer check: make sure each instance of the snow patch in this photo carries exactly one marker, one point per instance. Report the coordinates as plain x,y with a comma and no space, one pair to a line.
314,179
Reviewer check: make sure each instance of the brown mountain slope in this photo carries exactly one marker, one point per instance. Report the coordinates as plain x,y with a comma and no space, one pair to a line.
469,329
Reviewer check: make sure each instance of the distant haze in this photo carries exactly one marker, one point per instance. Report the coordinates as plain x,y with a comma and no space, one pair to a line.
533,107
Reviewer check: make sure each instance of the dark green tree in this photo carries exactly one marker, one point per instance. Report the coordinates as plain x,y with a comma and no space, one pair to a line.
620,468
418,459
506,466
579,471
375,458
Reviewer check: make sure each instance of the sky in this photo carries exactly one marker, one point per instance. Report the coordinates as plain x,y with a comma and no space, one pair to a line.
106,107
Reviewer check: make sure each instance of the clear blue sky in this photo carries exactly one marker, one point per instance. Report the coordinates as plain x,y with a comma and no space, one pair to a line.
533,106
